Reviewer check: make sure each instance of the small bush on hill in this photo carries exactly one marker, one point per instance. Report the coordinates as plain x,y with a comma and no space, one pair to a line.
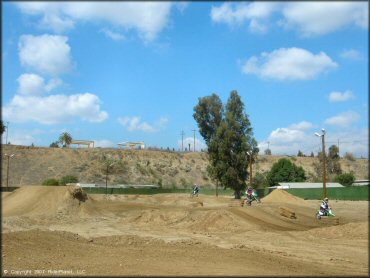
349,156
345,179
68,179
51,181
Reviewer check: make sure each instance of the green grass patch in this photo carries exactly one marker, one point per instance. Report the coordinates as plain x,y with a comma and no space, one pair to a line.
354,193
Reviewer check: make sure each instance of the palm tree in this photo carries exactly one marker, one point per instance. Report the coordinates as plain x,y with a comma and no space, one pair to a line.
65,139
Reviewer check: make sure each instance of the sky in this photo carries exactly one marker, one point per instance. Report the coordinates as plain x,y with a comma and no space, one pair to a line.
134,71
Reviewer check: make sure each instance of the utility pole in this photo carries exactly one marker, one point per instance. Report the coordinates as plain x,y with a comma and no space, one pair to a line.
324,160
7,170
194,140
338,145
7,128
182,140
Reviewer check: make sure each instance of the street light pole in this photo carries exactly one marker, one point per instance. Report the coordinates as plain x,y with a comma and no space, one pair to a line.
324,160
324,163
7,170
250,168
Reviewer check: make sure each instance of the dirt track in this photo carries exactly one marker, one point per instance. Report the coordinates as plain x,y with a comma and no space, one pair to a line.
44,228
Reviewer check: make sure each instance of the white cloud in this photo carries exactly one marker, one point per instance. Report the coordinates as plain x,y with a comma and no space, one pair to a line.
104,143
56,23
256,27
288,141
319,18
113,35
147,18
23,137
308,18
52,84
355,141
289,64
351,54
286,135
339,96
48,54
345,119
33,84
134,123
237,14
302,125
54,109
350,140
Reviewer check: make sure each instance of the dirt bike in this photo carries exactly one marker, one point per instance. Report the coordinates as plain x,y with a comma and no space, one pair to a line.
194,193
250,198
327,213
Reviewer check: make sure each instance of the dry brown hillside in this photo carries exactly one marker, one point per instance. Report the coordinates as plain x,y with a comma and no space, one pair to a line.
33,165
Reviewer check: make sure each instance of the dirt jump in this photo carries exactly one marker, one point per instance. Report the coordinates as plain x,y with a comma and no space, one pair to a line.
62,231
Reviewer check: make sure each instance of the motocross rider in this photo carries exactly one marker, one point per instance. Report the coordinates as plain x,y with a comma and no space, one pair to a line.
196,189
249,191
324,207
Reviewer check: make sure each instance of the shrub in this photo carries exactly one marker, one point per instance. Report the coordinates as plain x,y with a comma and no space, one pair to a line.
345,179
259,180
349,156
51,181
68,179
285,171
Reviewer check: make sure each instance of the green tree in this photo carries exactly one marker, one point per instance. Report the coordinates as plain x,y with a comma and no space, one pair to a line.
332,163
3,127
68,179
54,145
51,181
349,156
300,154
229,137
346,179
65,139
267,152
259,180
285,171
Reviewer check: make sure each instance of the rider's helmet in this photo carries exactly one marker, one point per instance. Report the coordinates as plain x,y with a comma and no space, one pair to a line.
326,199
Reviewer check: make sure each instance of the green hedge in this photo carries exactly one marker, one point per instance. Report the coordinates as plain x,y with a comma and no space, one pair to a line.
151,191
354,193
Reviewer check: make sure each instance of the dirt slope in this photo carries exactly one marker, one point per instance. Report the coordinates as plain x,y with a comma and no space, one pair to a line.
173,234
33,165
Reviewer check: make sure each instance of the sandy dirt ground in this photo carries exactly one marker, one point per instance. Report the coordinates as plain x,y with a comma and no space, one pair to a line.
45,231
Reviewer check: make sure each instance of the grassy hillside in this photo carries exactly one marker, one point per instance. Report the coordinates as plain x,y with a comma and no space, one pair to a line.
32,165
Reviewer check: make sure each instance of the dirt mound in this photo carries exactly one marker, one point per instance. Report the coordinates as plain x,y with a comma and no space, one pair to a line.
281,196
41,200
349,230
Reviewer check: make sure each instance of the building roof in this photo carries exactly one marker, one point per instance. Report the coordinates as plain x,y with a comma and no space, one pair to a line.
302,185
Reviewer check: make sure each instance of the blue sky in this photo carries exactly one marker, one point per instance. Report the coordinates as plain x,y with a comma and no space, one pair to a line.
121,71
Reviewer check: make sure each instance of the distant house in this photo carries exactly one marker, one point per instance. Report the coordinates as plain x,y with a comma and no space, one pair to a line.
87,143
302,185
132,145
